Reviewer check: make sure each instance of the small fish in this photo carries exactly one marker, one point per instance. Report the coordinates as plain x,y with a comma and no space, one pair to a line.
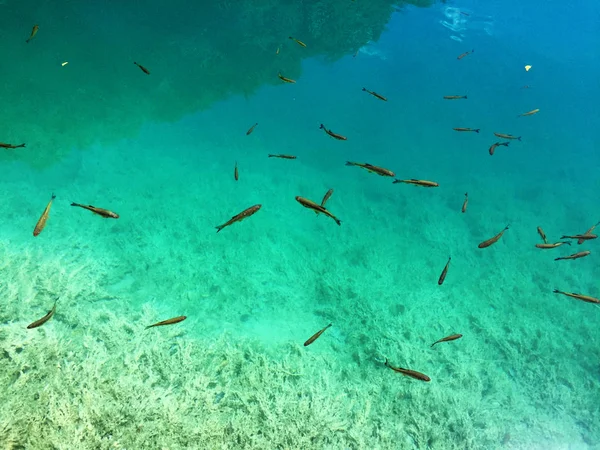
526,87
465,14
277,52
542,234
581,237
33,33
465,203
326,197
452,337
236,175
507,136
315,336
529,113
287,80
100,211
168,322
587,233
496,145
239,217
423,183
339,137
300,43
556,244
312,205
492,240
251,129
444,273
462,55
355,53
41,223
146,71
11,145
372,169
574,255
375,94
584,298
283,156
476,130
43,320
454,97
409,373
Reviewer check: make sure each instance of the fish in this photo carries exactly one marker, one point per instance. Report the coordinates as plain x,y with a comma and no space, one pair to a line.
43,320
581,237
444,272
574,255
476,130
587,233
277,52
454,97
300,43
326,197
497,144
41,223
526,87
465,14
556,244
239,217
542,234
492,240
529,113
452,337
315,336
409,373
462,55
251,129
2,145
100,211
168,322
236,175
339,137
375,94
286,80
373,169
507,136
423,183
355,53
33,33
282,156
465,203
312,205
146,71
584,298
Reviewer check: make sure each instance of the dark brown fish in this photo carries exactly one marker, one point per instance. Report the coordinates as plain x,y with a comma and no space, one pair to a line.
168,322
33,33
454,97
496,145
542,234
422,183
373,169
581,237
326,197
236,174
584,298
587,233
43,320
286,80
146,71
465,203
11,145
574,255
462,55
251,129
464,13
507,136
444,272
41,223
476,130
409,373
452,337
283,156
339,137
315,336
300,43
318,208
100,211
492,240
239,217
375,94
556,244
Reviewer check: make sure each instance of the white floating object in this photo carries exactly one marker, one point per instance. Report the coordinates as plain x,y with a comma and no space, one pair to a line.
67,62
527,67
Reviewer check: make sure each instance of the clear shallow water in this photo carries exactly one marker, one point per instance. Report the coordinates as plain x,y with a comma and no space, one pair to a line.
235,374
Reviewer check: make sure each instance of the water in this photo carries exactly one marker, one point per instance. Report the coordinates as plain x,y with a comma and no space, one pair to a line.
160,150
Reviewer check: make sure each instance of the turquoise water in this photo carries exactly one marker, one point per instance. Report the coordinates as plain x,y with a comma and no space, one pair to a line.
160,151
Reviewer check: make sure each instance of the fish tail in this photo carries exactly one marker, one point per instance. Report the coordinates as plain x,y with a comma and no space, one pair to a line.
519,138
564,237
567,242
219,228
339,222
349,163
289,37
558,259
556,291
75,204
271,156
506,228
322,127
433,344
465,97
466,194
53,196
364,89
477,130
